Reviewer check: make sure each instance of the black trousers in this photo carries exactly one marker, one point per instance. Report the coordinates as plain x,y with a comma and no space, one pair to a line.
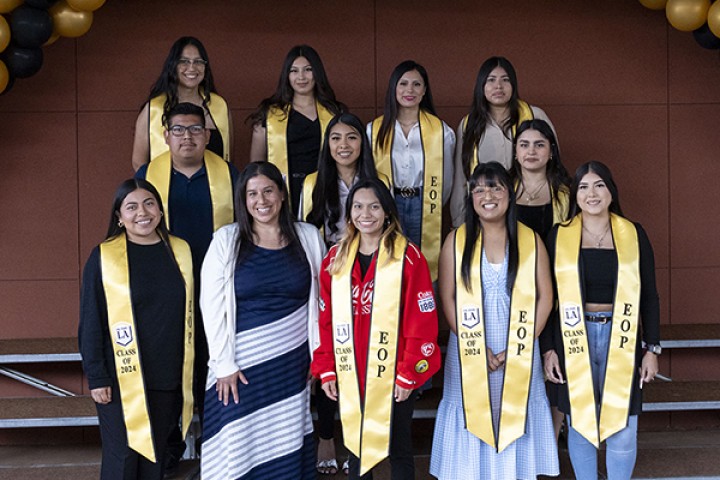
402,463
119,462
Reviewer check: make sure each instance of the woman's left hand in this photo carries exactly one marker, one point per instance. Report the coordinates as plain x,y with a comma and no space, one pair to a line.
649,367
401,394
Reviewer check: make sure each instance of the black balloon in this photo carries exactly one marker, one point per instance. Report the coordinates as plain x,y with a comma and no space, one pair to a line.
22,62
706,38
44,4
30,27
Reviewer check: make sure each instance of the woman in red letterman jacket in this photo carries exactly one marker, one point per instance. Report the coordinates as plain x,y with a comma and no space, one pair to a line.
378,332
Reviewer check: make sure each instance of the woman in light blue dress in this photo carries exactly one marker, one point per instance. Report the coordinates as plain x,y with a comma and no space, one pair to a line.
457,453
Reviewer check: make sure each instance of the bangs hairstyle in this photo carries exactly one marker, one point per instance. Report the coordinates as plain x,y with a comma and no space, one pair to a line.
602,171
167,82
391,106
490,174
391,225
283,96
125,189
246,238
326,194
480,116
555,172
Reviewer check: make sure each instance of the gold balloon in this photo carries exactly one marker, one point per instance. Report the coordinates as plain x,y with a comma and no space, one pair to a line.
7,6
86,5
654,4
68,22
4,76
53,38
687,15
4,33
713,18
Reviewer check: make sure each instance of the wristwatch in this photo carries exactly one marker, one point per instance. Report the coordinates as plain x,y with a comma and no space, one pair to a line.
656,349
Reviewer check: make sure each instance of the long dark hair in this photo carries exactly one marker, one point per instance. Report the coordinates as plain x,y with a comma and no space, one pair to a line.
491,174
326,195
125,189
391,107
167,82
555,172
284,92
246,238
602,171
479,115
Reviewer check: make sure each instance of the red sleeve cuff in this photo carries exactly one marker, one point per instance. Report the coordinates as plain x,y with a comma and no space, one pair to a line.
405,382
327,377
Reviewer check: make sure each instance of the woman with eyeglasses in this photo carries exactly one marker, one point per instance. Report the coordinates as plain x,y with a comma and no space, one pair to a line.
186,77
494,418
288,127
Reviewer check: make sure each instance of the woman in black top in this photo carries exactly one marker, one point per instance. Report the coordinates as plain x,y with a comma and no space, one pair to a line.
137,348
604,273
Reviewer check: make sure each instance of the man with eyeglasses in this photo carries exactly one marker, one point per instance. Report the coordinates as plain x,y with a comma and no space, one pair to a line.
196,187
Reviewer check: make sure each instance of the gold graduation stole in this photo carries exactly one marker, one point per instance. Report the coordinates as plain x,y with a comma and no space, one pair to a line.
159,173
620,368
524,113
366,421
218,112
308,187
432,135
276,125
123,333
472,346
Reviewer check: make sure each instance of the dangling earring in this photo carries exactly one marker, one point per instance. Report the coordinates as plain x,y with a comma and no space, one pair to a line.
386,223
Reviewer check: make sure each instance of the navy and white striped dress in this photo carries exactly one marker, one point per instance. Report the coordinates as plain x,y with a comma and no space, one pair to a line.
458,454
269,433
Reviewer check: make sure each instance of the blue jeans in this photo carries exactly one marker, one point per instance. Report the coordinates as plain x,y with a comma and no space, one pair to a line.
621,448
410,213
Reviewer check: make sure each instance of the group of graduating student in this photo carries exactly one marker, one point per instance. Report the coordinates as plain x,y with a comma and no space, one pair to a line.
542,278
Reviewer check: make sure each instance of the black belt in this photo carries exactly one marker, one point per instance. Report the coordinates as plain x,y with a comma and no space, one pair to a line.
407,192
598,317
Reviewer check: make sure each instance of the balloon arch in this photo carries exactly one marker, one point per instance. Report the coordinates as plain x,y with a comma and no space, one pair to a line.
27,26
702,17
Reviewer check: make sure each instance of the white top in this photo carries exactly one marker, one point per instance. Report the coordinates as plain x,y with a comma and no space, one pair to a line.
408,157
217,293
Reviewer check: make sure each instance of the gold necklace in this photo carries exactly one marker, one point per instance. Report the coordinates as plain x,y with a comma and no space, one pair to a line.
601,237
530,197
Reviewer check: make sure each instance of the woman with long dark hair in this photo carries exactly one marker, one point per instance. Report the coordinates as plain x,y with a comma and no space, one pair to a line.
186,76
259,300
414,148
288,127
494,418
378,332
136,334
604,270
486,133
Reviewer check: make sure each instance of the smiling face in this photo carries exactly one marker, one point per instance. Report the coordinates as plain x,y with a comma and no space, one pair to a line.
345,145
498,88
190,76
410,89
140,214
593,196
532,150
263,200
367,213
301,76
490,200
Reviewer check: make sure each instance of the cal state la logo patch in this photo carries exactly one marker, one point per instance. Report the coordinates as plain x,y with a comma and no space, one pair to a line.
426,302
321,303
470,316
342,332
123,333
570,314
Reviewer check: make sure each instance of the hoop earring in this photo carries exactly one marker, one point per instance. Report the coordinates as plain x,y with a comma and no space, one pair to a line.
120,224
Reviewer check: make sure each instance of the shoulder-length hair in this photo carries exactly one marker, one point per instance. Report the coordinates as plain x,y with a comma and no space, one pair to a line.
125,189
391,226
489,174
555,172
326,194
246,236
284,92
391,105
602,171
167,82
479,115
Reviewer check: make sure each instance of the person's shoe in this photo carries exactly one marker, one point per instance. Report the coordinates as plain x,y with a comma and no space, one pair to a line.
346,467
327,467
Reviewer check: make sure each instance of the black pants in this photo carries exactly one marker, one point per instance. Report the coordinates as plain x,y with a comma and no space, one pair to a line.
326,409
402,463
119,462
